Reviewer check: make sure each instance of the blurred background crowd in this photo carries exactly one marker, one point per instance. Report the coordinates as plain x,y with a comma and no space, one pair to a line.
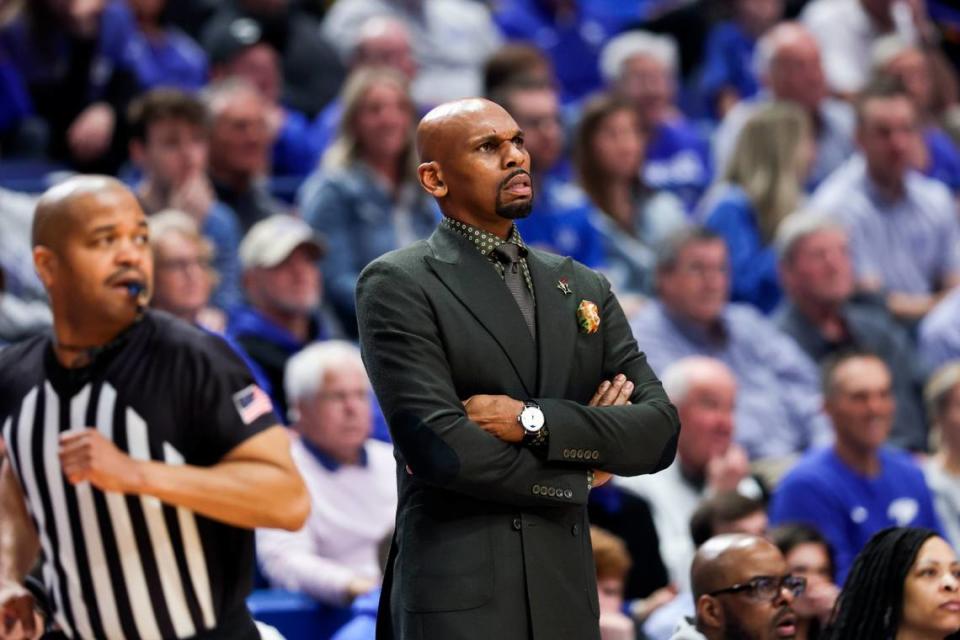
771,187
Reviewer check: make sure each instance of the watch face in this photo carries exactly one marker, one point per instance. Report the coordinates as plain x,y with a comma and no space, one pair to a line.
532,419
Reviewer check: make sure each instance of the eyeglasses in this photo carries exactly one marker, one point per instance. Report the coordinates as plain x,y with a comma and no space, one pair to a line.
767,588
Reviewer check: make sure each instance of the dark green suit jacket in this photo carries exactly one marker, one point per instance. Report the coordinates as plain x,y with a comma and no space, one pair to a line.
492,540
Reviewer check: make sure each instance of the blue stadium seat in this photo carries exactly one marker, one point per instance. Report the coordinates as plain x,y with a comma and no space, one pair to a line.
295,615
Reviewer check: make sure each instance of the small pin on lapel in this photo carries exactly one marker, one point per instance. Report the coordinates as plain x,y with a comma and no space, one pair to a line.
564,285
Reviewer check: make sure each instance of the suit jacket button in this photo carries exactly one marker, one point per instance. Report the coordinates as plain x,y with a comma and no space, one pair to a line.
575,530
596,455
580,453
536,489
551,492
568,494
517,524
566,453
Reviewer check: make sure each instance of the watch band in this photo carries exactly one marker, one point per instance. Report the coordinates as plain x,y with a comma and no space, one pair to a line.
539,440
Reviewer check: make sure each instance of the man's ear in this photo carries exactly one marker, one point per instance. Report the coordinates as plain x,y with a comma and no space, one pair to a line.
709,613
45,262
431,179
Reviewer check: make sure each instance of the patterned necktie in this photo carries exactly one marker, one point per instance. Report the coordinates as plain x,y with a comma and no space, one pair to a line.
508,254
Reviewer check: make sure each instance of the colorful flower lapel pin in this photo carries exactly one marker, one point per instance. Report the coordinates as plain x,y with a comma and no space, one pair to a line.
588,317
564,285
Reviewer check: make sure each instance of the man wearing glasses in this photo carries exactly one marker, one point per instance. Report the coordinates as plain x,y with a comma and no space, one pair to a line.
742,591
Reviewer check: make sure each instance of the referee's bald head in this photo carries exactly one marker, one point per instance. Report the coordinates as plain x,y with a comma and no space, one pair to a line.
64,205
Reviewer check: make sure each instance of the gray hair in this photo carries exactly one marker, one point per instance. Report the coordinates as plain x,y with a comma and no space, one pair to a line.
670,248
216,95
888,47
307,370
634,43
769,44
797,227
683,374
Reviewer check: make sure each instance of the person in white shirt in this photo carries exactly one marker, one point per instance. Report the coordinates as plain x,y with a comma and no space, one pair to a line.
351,480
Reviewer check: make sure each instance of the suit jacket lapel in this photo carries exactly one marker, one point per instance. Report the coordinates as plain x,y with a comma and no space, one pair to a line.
474,281
556,321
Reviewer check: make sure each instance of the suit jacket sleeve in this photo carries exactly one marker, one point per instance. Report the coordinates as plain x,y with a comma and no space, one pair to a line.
626,440
408,367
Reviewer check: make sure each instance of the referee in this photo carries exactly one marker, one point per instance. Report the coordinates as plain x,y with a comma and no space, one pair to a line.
140,452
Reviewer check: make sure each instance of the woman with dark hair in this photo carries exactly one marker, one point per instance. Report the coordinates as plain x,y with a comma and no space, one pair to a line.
608,156
808,554
904,585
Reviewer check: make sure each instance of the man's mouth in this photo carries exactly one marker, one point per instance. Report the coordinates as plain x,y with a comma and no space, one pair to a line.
952,606
519,185
787,626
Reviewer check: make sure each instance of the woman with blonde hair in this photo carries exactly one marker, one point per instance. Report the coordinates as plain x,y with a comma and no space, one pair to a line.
763,183
365,197
942,470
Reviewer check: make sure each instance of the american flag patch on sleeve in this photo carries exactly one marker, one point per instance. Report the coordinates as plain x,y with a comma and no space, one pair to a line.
251,403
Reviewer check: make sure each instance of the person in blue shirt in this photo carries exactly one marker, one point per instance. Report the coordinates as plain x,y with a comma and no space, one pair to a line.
571,34
938,155
163,55
561,217
729,74
72,59
642,67
365,198
762,185
858,486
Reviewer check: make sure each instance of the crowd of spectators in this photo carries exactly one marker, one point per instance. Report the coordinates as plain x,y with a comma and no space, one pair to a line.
771,187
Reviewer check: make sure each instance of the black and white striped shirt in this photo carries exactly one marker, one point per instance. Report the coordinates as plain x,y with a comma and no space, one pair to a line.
125,566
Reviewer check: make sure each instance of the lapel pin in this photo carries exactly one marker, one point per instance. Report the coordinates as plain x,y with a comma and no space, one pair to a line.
564,285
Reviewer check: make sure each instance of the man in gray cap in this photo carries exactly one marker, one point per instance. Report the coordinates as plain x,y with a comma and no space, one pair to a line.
282,288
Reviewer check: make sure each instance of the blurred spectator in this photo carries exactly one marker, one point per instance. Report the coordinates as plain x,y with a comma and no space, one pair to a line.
570,33
728,75
823,314
351,479
161,54
939,336
858,486
762,183
788,63
608,155
612,561
628,516
366,198
183,275
451,39
903,584
937,155
693,316
809,556
942,470
16,245
743,590
561,217
381,42
848,29
704,391
722,513
240,150
242,51
516,63
71,56
169,142
312,72
904,232
281,282
642,67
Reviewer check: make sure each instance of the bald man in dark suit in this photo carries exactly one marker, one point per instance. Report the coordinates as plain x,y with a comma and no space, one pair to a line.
512,385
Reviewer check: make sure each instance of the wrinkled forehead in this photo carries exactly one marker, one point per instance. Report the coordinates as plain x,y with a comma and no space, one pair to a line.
115,206
758,560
